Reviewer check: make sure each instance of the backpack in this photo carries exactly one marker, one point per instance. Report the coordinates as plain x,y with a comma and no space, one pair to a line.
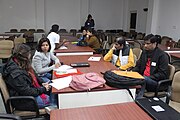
87,81
123,82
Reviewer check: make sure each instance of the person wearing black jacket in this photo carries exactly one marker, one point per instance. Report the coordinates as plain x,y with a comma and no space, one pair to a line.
153,63
89,22
21,80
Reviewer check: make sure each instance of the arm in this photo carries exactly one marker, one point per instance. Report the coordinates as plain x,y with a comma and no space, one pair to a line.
130,61
108,56
54,58
22,85
162,68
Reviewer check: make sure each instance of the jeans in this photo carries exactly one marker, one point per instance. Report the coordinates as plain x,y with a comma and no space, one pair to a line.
46,77
50,100
150,84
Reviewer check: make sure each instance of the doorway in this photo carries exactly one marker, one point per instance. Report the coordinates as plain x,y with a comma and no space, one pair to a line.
133,19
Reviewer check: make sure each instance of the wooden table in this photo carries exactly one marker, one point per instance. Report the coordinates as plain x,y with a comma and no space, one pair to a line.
174,52
122,111
69,98
73,49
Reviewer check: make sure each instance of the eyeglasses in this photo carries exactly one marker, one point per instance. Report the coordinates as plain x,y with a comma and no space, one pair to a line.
146,43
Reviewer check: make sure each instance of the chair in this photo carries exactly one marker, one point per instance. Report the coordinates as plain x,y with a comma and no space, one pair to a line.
6,47
105,47
163,85
11,110
40,30
19,41
173,98
165,39
13,30
23,30
73,31
62,31
139,36
5,116
32,30
137,52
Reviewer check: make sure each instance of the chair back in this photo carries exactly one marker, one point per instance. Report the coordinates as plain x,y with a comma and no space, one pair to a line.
4,92
13,30
19,41
32,30
137,52
40,30
6,47
176,87
171,69
23,30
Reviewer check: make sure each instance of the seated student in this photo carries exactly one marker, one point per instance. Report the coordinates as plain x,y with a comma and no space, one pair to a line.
42,59
21,80
81,40
92,40
54,38
153,63
121,55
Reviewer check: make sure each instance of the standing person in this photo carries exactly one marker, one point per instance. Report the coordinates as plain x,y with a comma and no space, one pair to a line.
21,80
89,22
54,38
42,59
121,55
153,63
92,41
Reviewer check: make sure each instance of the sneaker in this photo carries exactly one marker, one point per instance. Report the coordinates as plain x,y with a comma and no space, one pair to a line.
49,108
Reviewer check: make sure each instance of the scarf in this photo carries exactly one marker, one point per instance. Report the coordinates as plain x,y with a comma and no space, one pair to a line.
36,84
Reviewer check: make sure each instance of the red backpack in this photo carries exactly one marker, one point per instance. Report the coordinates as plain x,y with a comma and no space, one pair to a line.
87,81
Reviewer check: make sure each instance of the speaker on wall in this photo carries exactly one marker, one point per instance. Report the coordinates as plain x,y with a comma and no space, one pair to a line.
145,9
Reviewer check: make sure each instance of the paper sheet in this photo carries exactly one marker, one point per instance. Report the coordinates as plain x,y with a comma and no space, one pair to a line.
63,67
63,47
61,83
158,108
94,58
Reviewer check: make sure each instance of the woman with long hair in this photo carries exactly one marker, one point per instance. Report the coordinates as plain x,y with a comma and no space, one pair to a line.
21,80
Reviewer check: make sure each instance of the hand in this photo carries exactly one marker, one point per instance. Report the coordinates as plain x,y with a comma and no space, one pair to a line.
57,65
114,47
46,85
65,41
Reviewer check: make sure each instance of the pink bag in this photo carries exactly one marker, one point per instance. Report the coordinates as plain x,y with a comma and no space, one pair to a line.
87,81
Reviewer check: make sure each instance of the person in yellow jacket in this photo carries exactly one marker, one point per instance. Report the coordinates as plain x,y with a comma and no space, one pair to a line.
121,55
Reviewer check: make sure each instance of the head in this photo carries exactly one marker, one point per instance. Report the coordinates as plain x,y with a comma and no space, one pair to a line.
89,17
150,42
55,28
44,45
120,43
84,30
89,31
22,54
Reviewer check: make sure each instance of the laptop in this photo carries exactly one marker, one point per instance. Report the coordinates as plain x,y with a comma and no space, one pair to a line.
157,109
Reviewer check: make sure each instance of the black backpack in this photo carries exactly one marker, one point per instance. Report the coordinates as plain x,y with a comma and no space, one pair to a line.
122,82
